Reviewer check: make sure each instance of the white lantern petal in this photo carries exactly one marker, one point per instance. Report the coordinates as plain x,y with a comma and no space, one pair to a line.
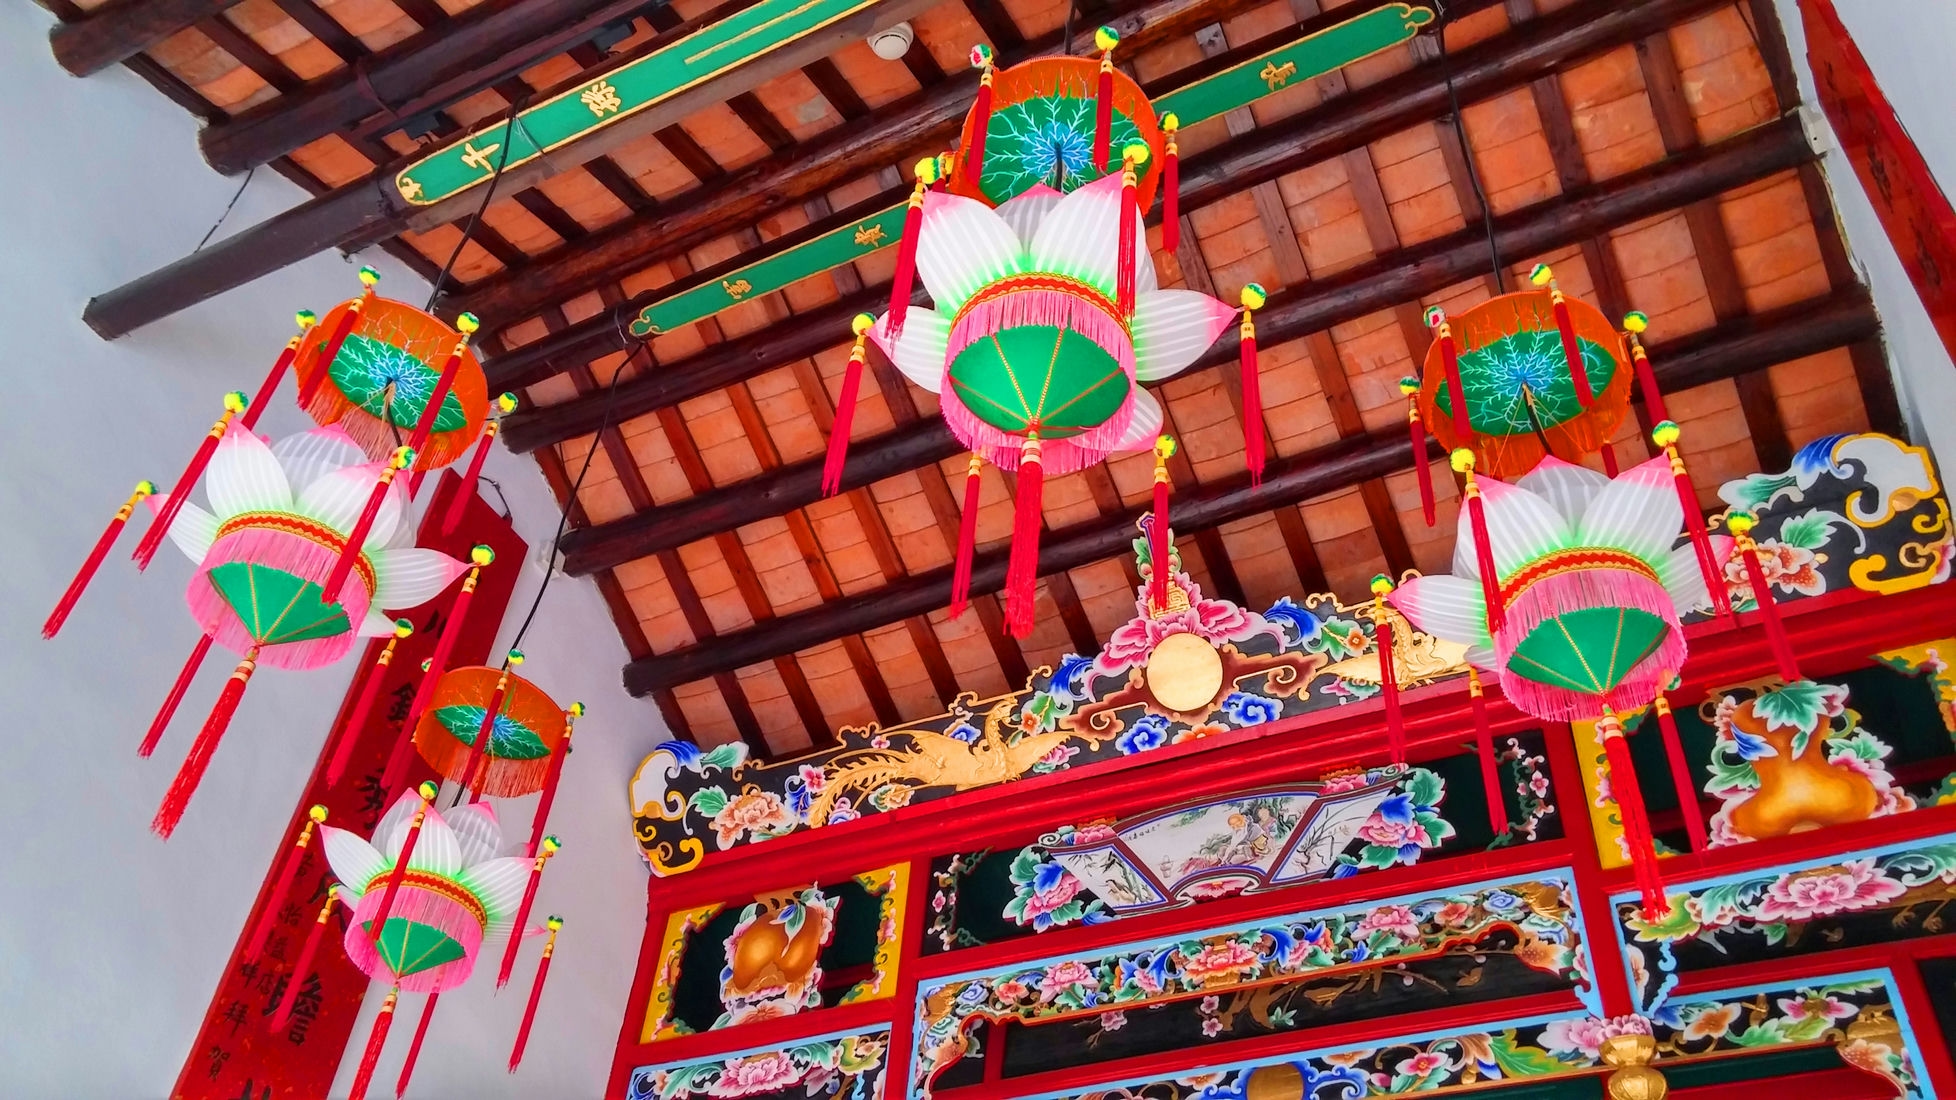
1080,237
393,826
376,624
499,885
1145,424
1638,511
477,831
1026,210
193,530
244,476
1685,580
1520,525
336,499
1452,609
412,577
1565,485
354,861
308,455
921,351
436,850
964,246
1172,328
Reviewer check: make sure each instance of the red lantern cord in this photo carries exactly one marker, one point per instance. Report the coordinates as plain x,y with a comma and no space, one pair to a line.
479,748
348,734
981,114
967,539
543,855
297,977
1694,822
1497,799
1171,182
424,694
288,871
1463,464
356,539
1565,327
1636,826
1388,669
845,408
557,756
1463,427
906,265
94,560
556,924
169,708
323,367
1103,104
1130,215
234,403
1253,299
465,492
201,750
306,319
376,1041
1417,429
398,875
1022,571
1160,556
1634,325
1741,524
414,1047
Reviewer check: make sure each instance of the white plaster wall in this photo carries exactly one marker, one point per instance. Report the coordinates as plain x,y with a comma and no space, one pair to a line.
112,941
1908,44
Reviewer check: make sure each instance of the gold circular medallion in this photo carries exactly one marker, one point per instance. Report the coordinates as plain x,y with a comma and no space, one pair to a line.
1184,672
1280,1082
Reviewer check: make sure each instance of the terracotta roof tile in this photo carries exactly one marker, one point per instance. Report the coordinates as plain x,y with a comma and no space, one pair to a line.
1818,396
706,713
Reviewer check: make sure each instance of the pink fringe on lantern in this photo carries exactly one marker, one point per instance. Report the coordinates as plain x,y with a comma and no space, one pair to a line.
1575,591
1051,308
412,903
291,554
1057,456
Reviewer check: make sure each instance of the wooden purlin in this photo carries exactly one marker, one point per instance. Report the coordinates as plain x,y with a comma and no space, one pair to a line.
1355,292
1751,344
121,31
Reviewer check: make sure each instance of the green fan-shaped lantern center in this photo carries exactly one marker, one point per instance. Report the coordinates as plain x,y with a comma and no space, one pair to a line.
1039,376
409,947
1048,140
365,367
1521,381
508,739
1589,650
277,607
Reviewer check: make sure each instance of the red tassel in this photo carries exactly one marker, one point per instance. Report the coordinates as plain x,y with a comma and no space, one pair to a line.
1388,669
542,815
1410,388
356,539
399,874
376,1041
424,694
1497,799
1160,556
1103,103
1253,299
201,750
169,708
1171,183
1740,524
967,539
1634,324
94,560
1665,435
1565,327
1022,572
425,427
166,514
536,994
414,1048
906,265
1694,821
981,114
1463,463
323,366
306,319
356,719
1463,428
297,976
1124,256
465,492
286,873
1636,826
845,409
543,855
479,748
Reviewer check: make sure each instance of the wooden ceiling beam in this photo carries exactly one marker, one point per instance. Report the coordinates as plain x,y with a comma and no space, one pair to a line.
918,123
1300,141
119,32
227,37
1726,351
1378,284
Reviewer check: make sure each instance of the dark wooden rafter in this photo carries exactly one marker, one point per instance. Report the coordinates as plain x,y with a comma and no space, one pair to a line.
121,31
1378,284
227,37
324,27
1729,350
1306,138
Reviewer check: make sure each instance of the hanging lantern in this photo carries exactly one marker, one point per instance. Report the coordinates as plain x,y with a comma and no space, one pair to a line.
523,736
279,516
1524,396
1593,592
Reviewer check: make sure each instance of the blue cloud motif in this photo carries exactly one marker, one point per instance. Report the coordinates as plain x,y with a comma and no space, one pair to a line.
1299,625
1150,731
1246,709
963,731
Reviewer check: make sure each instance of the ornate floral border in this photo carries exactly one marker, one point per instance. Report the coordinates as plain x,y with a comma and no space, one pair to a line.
1539,910
824,1066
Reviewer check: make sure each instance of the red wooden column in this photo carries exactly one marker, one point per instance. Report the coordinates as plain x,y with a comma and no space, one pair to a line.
1931,1053
902,1006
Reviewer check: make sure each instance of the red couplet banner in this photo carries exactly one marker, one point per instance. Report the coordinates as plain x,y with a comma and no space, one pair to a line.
237,1056
1913,209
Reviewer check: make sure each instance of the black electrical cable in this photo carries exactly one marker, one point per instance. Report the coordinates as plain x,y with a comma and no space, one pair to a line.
475,219
235,196
1467,154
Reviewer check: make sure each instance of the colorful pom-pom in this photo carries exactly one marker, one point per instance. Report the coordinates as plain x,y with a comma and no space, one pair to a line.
403,457
467,323
981,56
1135,152
861,323
305,319
368,276
427,790
506,403
1739,523
1170,122
1540,275
515,656
1253,296
1462,460
481,555
551,844
1408,386
1635,321
403,628
318,814
1164,447
577,710
555,923
1435,316
145,489
1381,585
1106,38
926,170
1665,433
235,401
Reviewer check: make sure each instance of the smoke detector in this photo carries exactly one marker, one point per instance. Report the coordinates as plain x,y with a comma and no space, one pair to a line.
891,43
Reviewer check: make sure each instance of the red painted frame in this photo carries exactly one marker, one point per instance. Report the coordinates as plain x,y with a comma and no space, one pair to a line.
1831,633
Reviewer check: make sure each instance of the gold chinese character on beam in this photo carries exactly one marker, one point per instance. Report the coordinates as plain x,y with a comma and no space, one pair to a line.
410,188
1276,76
736,289
602,98
479,158
869,236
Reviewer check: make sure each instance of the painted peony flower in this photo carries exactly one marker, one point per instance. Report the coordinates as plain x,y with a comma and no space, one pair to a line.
1787,568
1061,976
757,811
1855,885
1711,1022
1395,919
1219,963
1816,1007
1423,1064
757,1074
1586,1035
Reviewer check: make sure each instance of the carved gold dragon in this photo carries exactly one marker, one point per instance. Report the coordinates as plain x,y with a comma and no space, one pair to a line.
939,760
